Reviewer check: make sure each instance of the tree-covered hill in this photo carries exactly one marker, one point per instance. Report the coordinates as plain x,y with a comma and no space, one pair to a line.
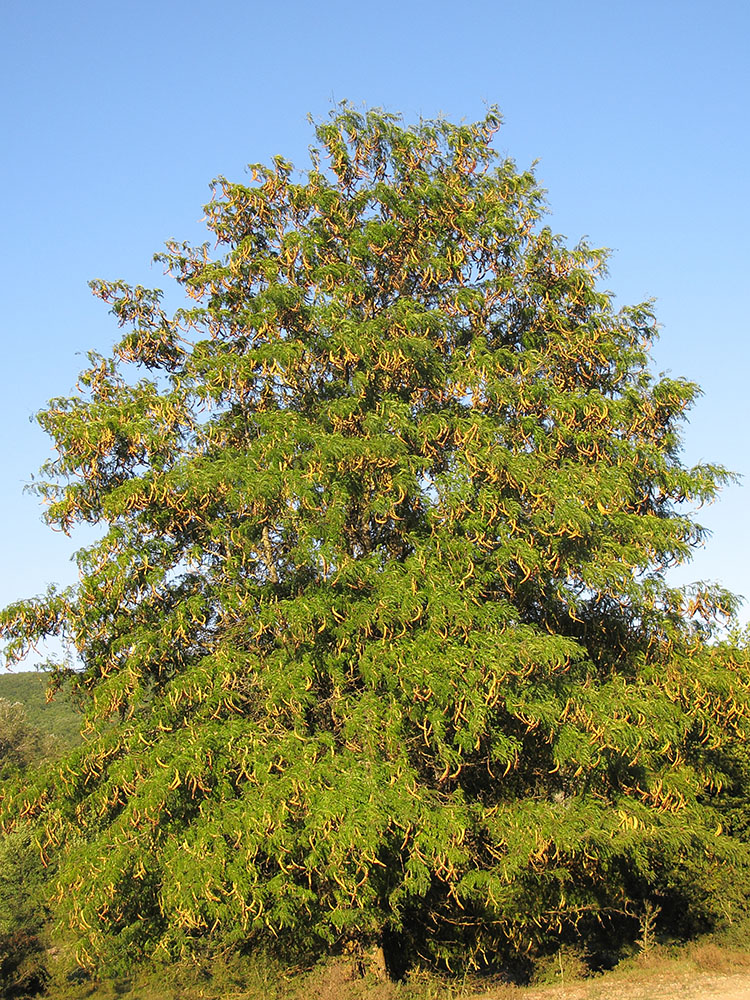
57,717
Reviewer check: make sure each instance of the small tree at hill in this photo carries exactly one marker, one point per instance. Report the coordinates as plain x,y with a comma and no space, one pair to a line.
378,644
22,745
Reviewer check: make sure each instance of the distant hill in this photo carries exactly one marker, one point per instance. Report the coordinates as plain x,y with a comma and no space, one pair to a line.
58,718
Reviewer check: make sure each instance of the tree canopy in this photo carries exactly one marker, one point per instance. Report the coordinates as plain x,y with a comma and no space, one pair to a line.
378,642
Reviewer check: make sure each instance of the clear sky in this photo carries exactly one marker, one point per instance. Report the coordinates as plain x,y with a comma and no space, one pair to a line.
115,116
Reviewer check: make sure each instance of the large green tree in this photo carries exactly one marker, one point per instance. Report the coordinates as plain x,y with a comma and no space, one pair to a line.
377,643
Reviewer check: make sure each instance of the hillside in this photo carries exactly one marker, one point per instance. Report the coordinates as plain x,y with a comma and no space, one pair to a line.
58,717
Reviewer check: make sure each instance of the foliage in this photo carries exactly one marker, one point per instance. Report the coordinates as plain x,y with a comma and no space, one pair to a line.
378,642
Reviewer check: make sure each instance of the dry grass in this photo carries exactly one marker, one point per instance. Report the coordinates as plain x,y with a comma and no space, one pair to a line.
710,957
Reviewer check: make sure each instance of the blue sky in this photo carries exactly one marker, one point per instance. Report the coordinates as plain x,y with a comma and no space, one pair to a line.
117,115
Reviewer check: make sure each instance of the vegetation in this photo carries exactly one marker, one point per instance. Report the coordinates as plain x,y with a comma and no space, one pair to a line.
22,911
378,647
58,719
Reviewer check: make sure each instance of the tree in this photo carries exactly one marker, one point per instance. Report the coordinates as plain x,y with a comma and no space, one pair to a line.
377,644
22,745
